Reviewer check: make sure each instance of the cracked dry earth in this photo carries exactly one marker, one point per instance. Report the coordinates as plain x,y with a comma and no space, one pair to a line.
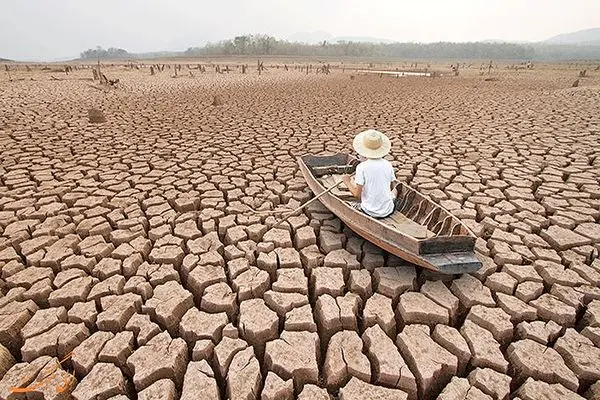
128,243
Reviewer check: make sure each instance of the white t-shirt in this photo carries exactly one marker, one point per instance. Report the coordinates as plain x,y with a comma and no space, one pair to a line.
376,176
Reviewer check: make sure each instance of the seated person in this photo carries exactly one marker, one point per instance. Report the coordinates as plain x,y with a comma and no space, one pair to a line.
375,180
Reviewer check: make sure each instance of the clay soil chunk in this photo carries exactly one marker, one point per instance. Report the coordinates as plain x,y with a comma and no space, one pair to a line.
161,358
74,291
219,298
592,314
450,339
438,292
325,280
279,237
282,303
83,312
295,355
329,241
341,258
300,319
550,308
13,318
540,331
494,320
540,390
491,382
118,349
168,305
224,352
43,320
203,276
360,283
416,308
199,382
336,314
85,355
56,342
252,283
580,355
517,309
111,285
471,292
532,359
291,280
196,325
313,392
356,389
378,311
484,348
433,365
103,381
22,374
277,389
27,277
243,377
142,327
562,239
116,311
203,350
48,379
461,389
159,390
344,359
393,281
527,291
388,365
258,323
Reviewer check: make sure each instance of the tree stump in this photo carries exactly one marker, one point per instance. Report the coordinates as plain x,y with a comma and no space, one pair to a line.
96,116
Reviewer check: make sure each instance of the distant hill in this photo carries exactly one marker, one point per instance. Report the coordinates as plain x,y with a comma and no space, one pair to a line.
361,39
586,36
5,60
310,37
320,36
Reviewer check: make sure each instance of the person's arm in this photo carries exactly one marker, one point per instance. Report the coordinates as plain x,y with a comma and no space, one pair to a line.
354,188
392,176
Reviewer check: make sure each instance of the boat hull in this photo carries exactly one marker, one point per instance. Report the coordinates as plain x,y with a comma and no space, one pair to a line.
391,240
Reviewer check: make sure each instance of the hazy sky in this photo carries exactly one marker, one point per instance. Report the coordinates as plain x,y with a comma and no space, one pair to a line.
49,30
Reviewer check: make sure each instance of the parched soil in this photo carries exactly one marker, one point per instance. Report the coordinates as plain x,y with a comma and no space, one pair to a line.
128,249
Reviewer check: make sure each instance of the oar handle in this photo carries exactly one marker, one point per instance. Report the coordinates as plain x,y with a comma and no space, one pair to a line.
317,197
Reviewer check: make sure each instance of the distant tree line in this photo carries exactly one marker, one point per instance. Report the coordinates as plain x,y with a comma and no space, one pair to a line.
267,45
260,44
99,52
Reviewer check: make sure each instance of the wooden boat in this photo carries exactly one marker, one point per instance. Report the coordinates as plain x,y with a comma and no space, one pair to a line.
420,230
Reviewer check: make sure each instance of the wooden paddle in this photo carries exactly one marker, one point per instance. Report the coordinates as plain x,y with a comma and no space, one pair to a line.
317,197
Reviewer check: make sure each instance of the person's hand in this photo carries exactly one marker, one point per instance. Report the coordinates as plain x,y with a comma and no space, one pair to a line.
346,179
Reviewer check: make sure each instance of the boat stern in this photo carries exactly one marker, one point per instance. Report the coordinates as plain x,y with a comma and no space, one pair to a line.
453,263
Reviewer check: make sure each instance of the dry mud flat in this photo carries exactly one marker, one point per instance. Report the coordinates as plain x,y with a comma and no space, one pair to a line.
128,244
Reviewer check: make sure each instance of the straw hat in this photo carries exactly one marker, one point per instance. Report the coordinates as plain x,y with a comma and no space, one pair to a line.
371,144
